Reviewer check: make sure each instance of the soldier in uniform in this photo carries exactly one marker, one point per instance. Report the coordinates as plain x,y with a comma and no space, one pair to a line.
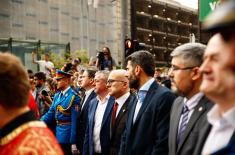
64,110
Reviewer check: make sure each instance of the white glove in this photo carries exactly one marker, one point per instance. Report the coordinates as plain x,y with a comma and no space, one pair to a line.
74,149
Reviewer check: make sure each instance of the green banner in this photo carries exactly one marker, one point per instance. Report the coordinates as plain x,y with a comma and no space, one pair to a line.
205,7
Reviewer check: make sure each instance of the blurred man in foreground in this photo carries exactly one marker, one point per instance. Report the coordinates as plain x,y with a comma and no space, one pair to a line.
20,131
219,77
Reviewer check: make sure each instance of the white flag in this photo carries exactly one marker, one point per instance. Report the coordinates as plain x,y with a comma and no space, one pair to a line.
89,2
96,3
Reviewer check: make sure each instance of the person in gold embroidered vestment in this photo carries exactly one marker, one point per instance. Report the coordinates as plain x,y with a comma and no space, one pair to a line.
20,131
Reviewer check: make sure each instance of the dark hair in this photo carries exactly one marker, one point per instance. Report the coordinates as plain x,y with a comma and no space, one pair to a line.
67,67
29,71
109,53
144,59
91,73
14,83
40,76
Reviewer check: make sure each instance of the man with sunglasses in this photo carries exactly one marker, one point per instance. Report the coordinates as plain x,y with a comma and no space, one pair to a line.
188,113
118,87
64,110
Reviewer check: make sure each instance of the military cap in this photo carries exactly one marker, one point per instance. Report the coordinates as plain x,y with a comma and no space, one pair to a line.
61,74
221,18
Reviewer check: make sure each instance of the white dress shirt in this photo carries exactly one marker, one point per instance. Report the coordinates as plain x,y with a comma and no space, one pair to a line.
222,129
87,93
145,87
99,114
191,104
120,101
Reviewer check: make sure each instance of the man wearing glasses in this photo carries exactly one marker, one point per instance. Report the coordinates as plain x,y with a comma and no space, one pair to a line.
118,86
188,113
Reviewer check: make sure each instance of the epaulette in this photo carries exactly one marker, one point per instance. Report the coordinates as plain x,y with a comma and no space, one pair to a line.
77,94
74,92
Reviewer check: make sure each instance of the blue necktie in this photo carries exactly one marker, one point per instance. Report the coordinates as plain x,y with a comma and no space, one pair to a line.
140,96
183,123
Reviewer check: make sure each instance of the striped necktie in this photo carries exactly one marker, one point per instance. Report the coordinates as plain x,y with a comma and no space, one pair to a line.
183,123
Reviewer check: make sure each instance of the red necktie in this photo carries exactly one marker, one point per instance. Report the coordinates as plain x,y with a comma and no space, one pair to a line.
115,107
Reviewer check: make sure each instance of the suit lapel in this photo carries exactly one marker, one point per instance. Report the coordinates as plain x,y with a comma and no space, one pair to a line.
198,111
175,124
131,115
92,112
87,101
123,110
121,113
108,110
147,100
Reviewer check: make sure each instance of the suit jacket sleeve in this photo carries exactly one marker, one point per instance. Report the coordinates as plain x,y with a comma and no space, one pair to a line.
162,123
74,120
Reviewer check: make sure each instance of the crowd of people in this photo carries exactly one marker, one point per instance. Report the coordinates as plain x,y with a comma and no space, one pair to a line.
101,110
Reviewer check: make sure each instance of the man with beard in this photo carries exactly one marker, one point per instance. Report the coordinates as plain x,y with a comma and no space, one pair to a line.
40,79
148,120
64,110
188,114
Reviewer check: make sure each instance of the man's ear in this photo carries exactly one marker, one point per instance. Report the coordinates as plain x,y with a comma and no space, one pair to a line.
195,74
137,70
92,82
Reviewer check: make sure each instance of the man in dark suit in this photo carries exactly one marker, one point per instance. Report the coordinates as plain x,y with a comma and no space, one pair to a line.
118,86
147,125
97,137
88,85
188,114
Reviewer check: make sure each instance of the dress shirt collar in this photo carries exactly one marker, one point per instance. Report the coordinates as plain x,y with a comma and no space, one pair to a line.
147,85
106,99
121,100
88,92
216,119
193,101
64,91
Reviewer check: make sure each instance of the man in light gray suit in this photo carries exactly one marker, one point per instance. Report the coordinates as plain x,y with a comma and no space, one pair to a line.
188,114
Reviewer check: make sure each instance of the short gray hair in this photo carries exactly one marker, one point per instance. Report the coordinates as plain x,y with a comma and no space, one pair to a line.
191,53
104,73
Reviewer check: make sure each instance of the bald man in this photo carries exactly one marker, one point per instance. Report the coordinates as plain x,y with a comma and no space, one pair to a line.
118,87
